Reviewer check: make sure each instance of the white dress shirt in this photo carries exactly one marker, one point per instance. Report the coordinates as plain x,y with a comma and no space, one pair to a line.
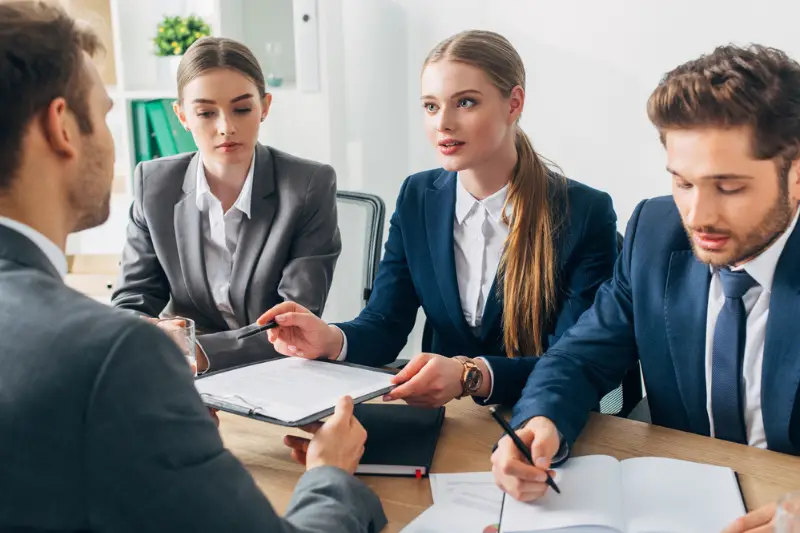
479,236
48,247
756,303
221,236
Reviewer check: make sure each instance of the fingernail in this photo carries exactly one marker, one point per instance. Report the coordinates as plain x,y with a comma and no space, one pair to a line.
292,348
301,354
387,398
541,461
280,318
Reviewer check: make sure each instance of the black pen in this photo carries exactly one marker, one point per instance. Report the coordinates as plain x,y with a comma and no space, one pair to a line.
269,325
520,445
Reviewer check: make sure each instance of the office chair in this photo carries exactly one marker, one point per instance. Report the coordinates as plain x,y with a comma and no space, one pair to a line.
361,218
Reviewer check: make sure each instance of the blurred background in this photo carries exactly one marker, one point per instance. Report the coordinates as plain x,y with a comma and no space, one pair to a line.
344,77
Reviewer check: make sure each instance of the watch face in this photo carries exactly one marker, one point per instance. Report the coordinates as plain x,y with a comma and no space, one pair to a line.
474,379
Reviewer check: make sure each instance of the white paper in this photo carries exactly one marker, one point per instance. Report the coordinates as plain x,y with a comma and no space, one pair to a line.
673,496
591,490
473,490
291,389
449,518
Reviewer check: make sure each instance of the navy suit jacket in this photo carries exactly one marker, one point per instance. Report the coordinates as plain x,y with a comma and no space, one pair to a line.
418,269
654,309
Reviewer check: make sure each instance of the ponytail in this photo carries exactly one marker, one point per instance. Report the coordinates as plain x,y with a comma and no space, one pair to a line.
528,265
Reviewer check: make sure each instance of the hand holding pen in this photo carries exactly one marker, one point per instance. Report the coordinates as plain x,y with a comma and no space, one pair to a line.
515,469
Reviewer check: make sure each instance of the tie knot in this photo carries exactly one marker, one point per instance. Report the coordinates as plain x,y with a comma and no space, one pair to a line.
735,283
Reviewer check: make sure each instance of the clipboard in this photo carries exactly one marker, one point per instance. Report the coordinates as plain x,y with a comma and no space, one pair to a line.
243,407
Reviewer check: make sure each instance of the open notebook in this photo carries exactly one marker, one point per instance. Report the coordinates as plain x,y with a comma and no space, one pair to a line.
290,391
641,495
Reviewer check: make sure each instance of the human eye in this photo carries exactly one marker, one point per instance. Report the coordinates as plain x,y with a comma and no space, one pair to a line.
242,110
467,102
430,107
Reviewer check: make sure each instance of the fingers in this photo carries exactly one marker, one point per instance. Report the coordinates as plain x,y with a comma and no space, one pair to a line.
757,521
545,442
406,390
513,473
312,427
412,368
299,456
305,321
297,443
285,307
344,411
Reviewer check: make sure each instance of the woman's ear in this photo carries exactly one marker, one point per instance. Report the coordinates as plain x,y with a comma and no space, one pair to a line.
515,103
178,109
265,105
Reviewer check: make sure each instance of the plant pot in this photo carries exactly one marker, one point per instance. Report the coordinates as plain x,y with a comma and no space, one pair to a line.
168,70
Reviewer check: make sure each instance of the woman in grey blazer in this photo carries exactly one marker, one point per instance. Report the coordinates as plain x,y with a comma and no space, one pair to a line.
222,234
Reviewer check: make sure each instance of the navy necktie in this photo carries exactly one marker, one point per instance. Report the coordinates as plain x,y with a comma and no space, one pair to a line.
727,356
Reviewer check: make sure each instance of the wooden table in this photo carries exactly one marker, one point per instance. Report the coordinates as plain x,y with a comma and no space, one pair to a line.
465,445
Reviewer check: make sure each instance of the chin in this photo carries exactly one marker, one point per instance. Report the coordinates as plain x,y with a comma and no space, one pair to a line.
95,218
715,258
453,164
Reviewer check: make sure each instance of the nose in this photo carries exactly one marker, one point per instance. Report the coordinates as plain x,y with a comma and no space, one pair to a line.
225,125
446,121
702,209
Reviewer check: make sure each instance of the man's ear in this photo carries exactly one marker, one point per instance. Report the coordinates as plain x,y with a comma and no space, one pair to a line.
60,128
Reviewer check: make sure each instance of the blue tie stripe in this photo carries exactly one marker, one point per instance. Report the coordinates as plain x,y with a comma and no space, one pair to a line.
727,357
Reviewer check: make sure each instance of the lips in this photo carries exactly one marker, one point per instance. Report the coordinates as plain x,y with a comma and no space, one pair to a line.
450,146
710,241
228,146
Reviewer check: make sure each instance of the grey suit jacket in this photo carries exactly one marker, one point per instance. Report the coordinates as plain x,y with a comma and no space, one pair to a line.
287,249
102,429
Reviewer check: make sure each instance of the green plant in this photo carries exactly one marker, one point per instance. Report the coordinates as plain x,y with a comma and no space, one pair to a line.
176,34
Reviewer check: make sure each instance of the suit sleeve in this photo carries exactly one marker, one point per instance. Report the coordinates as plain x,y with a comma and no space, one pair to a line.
306,278
590,359
142,285
390,315
155,461
591,264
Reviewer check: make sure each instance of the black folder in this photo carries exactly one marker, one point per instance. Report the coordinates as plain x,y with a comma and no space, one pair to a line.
401,439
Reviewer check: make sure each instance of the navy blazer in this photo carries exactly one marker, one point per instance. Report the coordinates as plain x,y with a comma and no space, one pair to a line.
654,309
418,269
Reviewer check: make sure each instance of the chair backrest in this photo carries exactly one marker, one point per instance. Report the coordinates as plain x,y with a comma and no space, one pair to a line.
361,219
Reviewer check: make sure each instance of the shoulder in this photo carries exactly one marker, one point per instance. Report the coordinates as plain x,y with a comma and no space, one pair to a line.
291,166
583,199
413,188
165,166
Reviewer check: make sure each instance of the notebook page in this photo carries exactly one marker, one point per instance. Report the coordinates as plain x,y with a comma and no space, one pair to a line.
591,489
292,388
673,496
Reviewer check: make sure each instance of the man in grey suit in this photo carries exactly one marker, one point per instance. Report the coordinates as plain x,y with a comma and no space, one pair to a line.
101,427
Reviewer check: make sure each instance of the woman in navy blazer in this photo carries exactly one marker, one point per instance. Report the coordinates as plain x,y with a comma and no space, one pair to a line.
502,254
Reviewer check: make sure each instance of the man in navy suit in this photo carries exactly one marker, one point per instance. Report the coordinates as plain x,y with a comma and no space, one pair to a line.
706,293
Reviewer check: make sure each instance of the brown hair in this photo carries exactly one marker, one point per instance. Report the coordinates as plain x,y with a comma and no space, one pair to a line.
209,53
527,270
753,86
41,60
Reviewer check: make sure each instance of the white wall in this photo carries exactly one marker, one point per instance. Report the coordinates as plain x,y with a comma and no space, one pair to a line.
590,67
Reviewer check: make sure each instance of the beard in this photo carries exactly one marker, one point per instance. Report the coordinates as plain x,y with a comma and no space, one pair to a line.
90,196
754,242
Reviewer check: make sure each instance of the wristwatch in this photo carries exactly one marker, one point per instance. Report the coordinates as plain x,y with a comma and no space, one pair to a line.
471,377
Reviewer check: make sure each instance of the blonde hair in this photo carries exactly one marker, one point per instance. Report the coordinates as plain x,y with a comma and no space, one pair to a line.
527,272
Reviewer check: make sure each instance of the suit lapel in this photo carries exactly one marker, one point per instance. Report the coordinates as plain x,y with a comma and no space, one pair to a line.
189,239
491,324
254,232
440,205
781,362
686,309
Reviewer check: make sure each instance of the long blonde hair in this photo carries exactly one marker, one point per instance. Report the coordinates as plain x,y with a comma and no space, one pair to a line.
527,271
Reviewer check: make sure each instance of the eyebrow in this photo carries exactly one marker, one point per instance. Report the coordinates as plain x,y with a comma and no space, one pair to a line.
717,177
213,102
455,95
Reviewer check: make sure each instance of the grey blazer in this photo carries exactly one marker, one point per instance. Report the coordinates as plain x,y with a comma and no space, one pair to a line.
102,429
287,249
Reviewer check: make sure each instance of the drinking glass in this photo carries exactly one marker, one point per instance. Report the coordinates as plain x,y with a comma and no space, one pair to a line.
181,331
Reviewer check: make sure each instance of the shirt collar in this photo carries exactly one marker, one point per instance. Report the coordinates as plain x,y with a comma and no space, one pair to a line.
762,267
242,203
48,247
466,203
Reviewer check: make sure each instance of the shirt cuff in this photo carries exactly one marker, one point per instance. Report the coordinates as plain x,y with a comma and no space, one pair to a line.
485,401
343,354
563,450
199,373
